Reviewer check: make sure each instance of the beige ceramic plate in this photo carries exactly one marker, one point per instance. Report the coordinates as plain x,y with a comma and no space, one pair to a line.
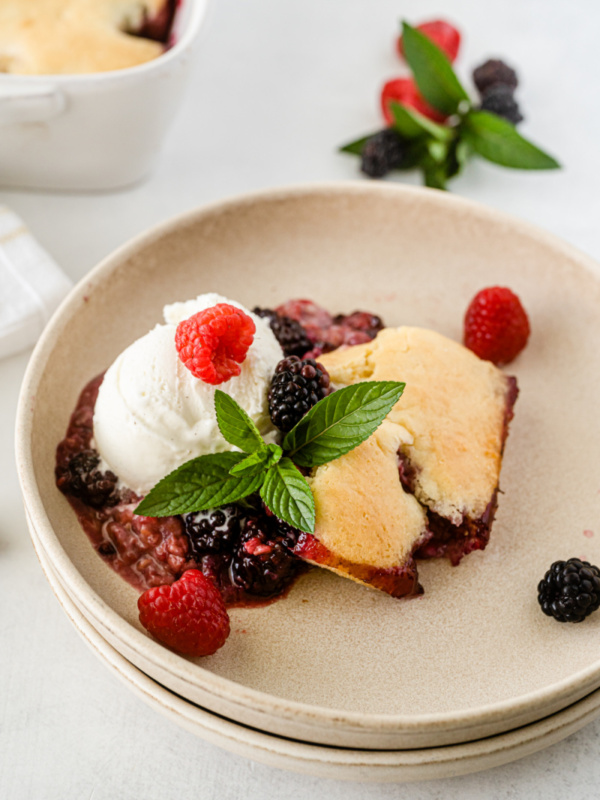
329,762
335,662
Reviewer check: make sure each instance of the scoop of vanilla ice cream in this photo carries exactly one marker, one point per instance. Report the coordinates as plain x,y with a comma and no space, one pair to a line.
152,414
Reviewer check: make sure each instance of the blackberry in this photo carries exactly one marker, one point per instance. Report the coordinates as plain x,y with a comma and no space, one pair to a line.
570,590
492,73
499,99
289,332
382,153
81,478
263,563
298,384
213,531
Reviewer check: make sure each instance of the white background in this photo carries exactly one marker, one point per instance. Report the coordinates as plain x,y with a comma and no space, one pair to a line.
278,84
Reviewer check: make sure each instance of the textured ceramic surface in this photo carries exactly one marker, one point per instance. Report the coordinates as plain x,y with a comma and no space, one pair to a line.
328,762
335,662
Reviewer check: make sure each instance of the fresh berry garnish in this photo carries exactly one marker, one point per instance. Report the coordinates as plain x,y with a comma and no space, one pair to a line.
492,73
441,33
570,590
189,616
213,531
298,385
289,332
382,153
263,563
496,325
499,100
213,343
81,478
404,91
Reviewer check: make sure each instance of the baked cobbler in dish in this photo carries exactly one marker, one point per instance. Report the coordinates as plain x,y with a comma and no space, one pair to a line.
57,37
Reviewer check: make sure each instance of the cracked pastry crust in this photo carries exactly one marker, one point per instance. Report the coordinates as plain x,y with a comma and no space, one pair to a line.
449,428
53,37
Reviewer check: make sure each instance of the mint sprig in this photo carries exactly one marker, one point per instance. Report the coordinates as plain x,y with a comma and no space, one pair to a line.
350,415
335,425
433,72
440,151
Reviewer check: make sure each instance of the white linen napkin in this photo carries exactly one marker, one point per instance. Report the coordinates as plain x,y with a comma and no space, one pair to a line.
31,285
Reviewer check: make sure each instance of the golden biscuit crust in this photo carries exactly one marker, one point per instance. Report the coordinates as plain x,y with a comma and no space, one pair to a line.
54,37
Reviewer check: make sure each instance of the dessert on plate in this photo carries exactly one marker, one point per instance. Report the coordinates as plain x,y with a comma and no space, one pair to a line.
420,482
55,37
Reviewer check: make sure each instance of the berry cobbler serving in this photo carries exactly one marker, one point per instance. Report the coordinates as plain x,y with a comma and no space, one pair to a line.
227,450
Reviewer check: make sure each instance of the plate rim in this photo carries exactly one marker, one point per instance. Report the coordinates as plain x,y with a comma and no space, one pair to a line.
404,764
581,682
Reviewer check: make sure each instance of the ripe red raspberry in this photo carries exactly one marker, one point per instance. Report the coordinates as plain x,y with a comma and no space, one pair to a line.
404,91
213,343
496,325
189,616
441,33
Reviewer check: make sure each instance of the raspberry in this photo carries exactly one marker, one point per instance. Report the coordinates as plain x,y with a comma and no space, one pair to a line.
189,616
570,590
263,563
496,325
298,385
213,343
81,478
404,91
382,153
441,33
492,73
499,99
289,332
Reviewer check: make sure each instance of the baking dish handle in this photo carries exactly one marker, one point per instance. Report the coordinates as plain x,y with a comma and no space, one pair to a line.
30,104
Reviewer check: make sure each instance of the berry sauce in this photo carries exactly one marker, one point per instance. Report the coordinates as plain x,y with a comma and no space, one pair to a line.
148,551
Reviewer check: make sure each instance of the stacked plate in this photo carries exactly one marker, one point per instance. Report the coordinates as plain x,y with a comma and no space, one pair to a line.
337,679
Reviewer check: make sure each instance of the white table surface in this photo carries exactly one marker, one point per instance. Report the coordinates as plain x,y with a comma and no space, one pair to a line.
278,84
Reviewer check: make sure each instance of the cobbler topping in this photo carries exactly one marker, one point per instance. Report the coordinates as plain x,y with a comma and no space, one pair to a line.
55,37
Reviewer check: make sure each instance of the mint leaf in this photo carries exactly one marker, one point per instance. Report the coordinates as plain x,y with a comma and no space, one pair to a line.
341,421
259,460
497,140
204,482
287,494
356,147
433,72
235,425
411,124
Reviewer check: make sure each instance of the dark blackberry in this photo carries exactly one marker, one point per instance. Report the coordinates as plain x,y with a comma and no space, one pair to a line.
81,478
382,153
213,531
500,100
298,384
289,332
492,73
263,563
570,590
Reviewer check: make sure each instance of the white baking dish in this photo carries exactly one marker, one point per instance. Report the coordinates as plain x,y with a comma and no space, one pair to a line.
96,131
